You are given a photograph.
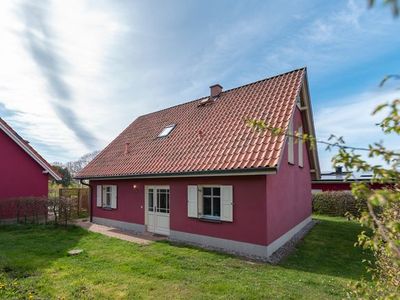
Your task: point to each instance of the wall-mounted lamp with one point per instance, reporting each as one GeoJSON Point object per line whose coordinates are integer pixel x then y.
{"type": "Point", "coordinates": [135, 187]}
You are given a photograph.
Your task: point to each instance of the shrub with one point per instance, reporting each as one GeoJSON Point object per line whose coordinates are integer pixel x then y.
{"type": "Point", "coordinates": [38, 209]}
{"type": "Point", "coordinates": [337, 203]}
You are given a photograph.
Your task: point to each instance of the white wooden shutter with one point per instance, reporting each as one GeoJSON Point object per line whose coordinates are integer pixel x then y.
{"type": "Point", "coordinates": [227, 203]}
{"type": "Point", "coordinates": [99, 194]}
{"type": "Point", "coordinates": [290, 144]}
{"type": "Point", "coordinates": [192, 201]}
{"type": "Point", "coordinates": [300, 134]}
{"type": "Point", "coordinates": [113, 196]}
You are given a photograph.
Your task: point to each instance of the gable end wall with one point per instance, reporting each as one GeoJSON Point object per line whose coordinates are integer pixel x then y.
{"type": "Point", "coordinates": [20, 175]}
{"type": "Point", "coordinates": [288, 191]}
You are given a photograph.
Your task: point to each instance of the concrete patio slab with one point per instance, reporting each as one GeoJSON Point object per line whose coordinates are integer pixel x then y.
{"type": "Point", "coordinates": [141, 239]}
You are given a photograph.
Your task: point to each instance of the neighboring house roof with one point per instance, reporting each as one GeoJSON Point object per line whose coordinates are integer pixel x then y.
{"type": "Point", "coordinates": [343, 176]}
{"type": "Point", "coordinates": [209, 136]}
{"type": "Point", "coordinates": [28, 149]}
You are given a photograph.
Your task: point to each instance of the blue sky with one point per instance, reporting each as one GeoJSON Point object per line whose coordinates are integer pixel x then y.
{"type": "Point", "coordinates": [75, 73]}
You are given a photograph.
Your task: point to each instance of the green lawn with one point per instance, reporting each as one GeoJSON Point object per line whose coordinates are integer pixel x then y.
{"type": "Point", "coordinates": [34, 264]}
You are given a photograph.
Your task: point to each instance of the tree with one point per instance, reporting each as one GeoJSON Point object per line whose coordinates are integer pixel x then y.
{"type": "Point", "coordinates": [65, 174]}
{"type": "Point", "coordinates": [75, 166]}
{"type": "Point", "coordinates": [382, 216]}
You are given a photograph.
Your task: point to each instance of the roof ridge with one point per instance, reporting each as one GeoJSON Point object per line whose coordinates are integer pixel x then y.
{"type": "Point", "coordinates": [229, 90]}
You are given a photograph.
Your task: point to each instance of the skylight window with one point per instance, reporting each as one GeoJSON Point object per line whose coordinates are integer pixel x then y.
{"type": "Point", "coordinates": [167, 130]}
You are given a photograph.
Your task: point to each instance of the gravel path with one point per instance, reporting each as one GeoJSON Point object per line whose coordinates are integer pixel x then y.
{"type": "Point", "coordinates": [290, 245]}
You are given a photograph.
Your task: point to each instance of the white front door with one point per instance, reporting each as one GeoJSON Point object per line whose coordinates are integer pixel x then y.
{"type": "Point", "coordinates": [157, 209]}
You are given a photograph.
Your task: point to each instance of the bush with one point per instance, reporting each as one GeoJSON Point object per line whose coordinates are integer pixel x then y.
{"type": "Point", "coordinates": [337, 203]}
{"type": "Point", "coordinates": [38, 209]}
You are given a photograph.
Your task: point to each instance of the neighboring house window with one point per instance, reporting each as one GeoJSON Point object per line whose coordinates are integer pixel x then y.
{"type": "Point", "coordinates": [300, 145]}
{"type": "Point", "coordinates": [211, 202]}
{"type": "Point", "coordinates": [107, 196]}
{"type": "Point", "coordinates": [290, 144]}
{"type": "Point", "coordinates": [167, 130]}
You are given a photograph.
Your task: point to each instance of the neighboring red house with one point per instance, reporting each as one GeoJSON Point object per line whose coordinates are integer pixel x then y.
{"type": "Point", "coordinates": [197, 173]}
{"type": "Point", "coordinates": [340, 180]}
{"type": "Point", "coordinates": [23, 172]}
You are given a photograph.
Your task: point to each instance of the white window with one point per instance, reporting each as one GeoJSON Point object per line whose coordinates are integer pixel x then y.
{"type": "Point", "coordinates": [290, 144]}
{"type": "Point", "coordinates": [167, 130]}
{"type": "Point", "coordinates": [107, 196]}
{"type": "Point", "coordinates": [211, 202]}
{"type": "Point", "coordinates": [300, 145]}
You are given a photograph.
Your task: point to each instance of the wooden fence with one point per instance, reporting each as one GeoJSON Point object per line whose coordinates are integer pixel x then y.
{"type": "Point", "coordinates": [80, 194]}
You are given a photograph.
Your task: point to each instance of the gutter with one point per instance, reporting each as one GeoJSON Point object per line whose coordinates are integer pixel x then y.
{"type": "Point", "coordinates": [90, 197]}
{"type": "Point", "coordinates": [237, 172]}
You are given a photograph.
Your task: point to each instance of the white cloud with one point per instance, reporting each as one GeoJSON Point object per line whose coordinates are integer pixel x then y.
{"type": "Point", "coordinates": [124, 59]}
{"type": "Point", "coordinates": [82, 39]}
{"type": "Point", "coordinates": [351, 118]}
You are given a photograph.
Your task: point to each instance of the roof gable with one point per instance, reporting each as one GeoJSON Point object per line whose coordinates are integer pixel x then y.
{"type": "Point", "coordinates": [28, 149]}
{"type": "Point", "coordinates": [206, 138]}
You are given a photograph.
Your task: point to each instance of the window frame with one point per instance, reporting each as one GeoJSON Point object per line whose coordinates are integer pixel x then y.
{"type": "Point", "coordinates": [166, 131]}
{"type": "Point", "coordinates": [202, 215]}
{"type": "Point", "coordinates": [104, 195]}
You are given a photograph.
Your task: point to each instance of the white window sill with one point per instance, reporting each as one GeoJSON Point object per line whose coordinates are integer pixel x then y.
{"type": "Point", "coordinates": [210, 219]}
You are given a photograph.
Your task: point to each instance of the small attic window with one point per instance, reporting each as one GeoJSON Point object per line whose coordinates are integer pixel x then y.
{"type": "Point", "coordinates": [167, 130]}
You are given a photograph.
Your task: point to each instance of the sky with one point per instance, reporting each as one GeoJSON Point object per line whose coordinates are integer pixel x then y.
{"type": "Point", "coordinates": [74, 74]}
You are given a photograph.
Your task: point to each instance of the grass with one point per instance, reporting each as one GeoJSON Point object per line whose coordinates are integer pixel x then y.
{"type": "Point", "coordinates": [34, 264]}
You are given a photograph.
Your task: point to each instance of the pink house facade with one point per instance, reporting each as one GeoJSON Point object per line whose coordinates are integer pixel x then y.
{"type": "Point", "coordinates": [24, 173]}
{"type": "Point", "coordinates": [199, 175]}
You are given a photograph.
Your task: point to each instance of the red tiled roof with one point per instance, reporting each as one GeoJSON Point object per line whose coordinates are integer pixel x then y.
{"type": "Point", "coordinates": [29, 149]}
{"type": "Point", "coordinates": [213, 137]}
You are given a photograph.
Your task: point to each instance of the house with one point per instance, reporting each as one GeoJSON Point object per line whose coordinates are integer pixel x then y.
{"type": "Point", "coordinates": [24, 173]}
{"type": "Point", "coordinates": [340, 180]}
{"type": "Point", "coordinates": [198, 174]}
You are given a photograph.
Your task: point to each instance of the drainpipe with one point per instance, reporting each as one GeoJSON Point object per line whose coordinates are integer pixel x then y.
{"type": "Point", "coordinates": [90, 197]}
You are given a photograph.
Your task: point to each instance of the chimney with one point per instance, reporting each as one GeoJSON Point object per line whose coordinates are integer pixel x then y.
{"type": "Point", "coordinates": [215, 90]}
{"type": "Point", "coordinates": [339, 170]}
{"type": "Point", "coordinates": [126, 148]}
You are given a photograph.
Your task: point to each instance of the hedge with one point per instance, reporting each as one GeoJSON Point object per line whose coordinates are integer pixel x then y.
{"type": "Point", "coordinates": [337, 203]}
{"type": "Point", "coordinates": [38, 209]}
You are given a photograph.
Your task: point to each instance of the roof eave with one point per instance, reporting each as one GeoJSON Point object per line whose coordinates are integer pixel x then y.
{"type": "Point", "coordinates": [233, 172]}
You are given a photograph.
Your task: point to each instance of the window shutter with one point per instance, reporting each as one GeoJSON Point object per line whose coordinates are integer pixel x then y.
{"type": "Point", "coordinates": [99, 194]}
{"type": "Point", "coordinates": [290, 144]}
{"type": "Point", "coordinates": [227, 203]}
{"type": "Point", "coordinates": [192, 201]}
{"type": "Point", "coordinates": [300, 134]}
{"type": "Point", "coordinates": [113, 196]}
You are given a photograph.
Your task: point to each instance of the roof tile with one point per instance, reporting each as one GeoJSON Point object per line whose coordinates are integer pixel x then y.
{"type": "Point", "coordinates": [210, 137]}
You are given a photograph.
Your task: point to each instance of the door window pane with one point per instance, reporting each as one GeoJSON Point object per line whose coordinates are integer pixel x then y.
{"type": "Point", "coordinates": [151, 200]}
{"type": "Point", "coordinates": [163, 200]}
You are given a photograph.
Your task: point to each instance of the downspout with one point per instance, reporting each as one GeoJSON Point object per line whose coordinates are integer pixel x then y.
{"type": "Point", "coordinates": [90, 197]}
